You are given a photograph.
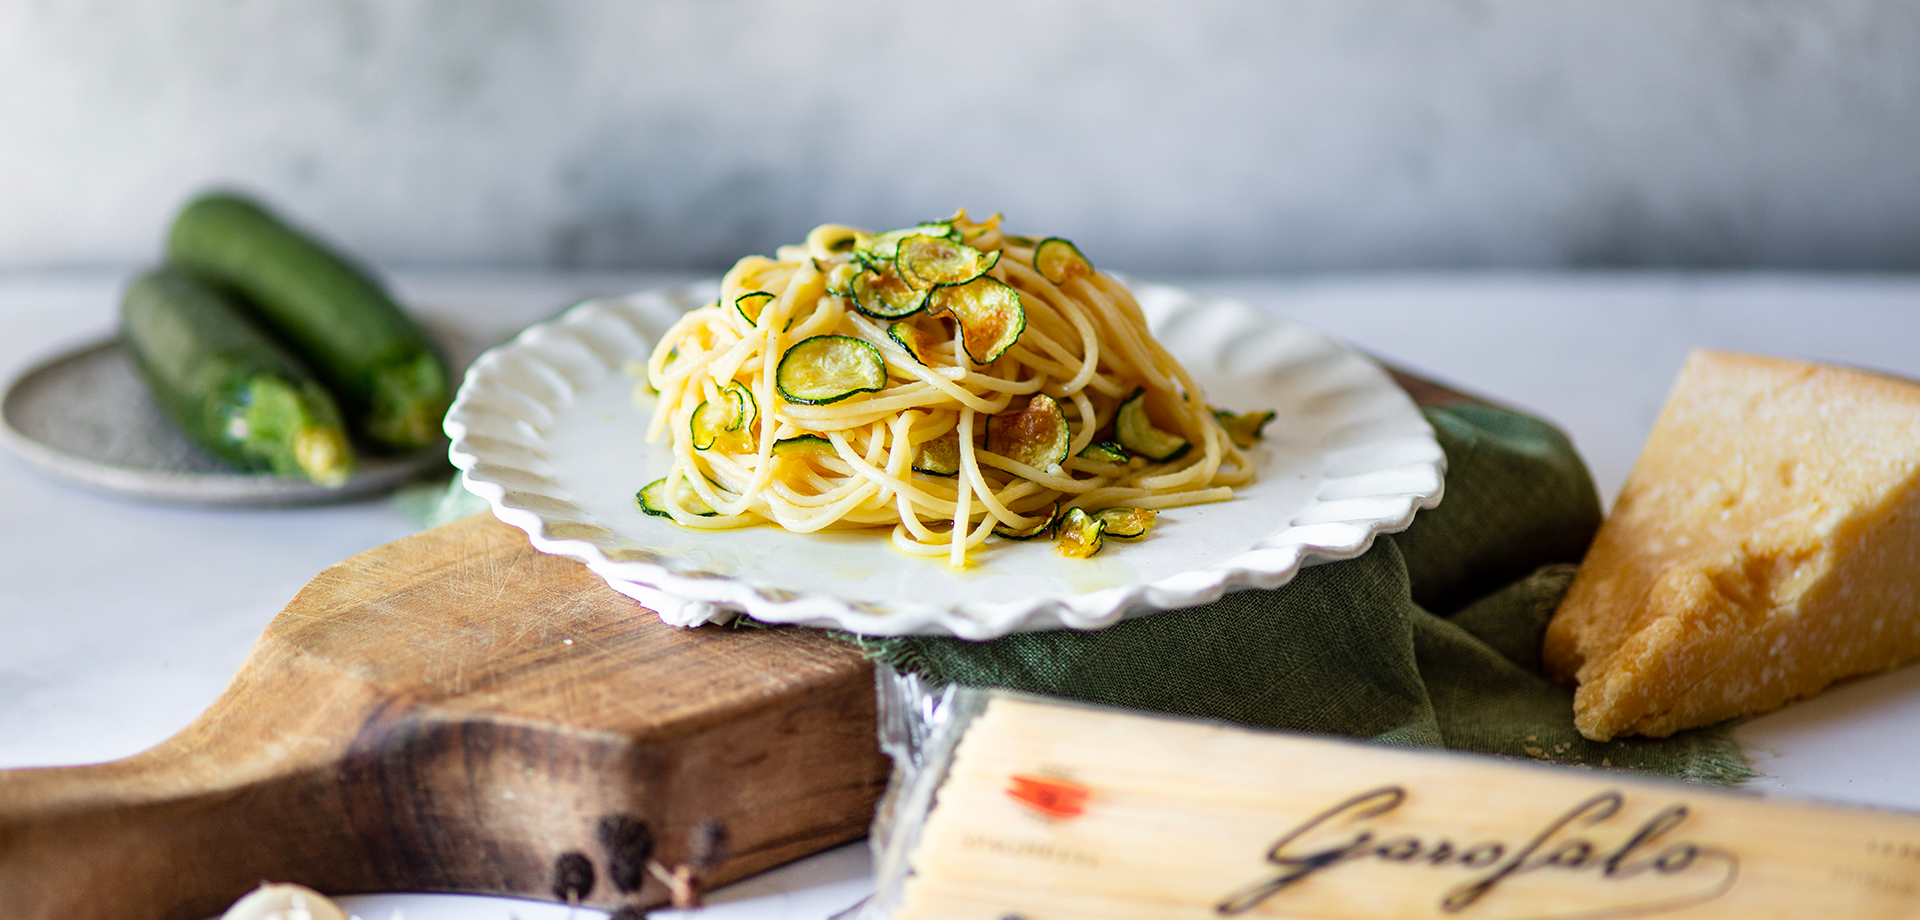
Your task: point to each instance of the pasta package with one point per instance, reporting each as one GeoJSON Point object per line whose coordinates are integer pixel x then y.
{"type": "Point", "coordinates": [1008, 806]}
{"type": "Point", "coordinates": [948, 381]}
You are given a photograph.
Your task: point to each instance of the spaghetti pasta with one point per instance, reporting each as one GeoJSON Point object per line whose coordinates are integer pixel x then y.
{"type": "Point", "coordinates": [949, 381]}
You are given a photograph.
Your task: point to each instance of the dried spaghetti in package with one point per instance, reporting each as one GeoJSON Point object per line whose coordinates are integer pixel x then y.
{"type": "Point", "coordinates": [1006, 806]}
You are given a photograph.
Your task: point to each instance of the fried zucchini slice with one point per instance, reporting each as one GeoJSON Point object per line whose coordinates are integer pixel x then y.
{"type": "Point", "coordinates": [1080, 534]}
{"type": "Point", "coordinates": [729, 422]}
{"type": "Point", "coordinates": [1243, 429]}
{"type": "Point", "coordinates": [750, 305]}
{"type": "Point", "coordinates": [989, 312]}
{"type": "Point", "coordinates": [939, 456]}
{"type": "Point", "coordinates": [653, 499]}
{"type": "Point", "coordinates": [879, 251]}
{"type": "Point", "coordinates": [927, 261]}
{"type": "Point", "coordinates": [1126, 523]}
{"type": "Point", "coordinates": [1041, 529]}
{"type": "Point", "coordinates": [1135, 431]}
{"type": "Point", "coordinates": [909, 337]}
{"type": "Point", "coordinates": [883, 295]}
{"type": "Point", "coordinates": [1104, 452]}
{"type": "Point", "coordinates": [1059, 261]}
{"type": "Point", "coordinates": [828, 368]}
{"type": "Point", "coordinates": [1036, 434]}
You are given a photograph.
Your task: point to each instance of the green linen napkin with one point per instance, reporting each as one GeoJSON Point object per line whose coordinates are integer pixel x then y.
{"type": "Point", "coordinates": [1432, 638]}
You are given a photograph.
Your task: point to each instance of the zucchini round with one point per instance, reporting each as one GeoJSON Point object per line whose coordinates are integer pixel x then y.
{"type": "Point", "coordinates": [1104, 452]}
{"type": "Point", "coordinates": [228, 385]}
{"type": "Point", "coordinates": [1036, 434]}
{"type": "Point", "coordinates": [750, 305]}
{"type": "Point", "coordinates": [1059, 261]}
{"type": "Point", "coordinates": [730, 421]}
{"type": "Point", "coordinates": [989, 313]}
{"type": "Point", "coordinates": [652, 499]}
{"type": "Point", "coordinates": [927, 261]}
{"type": "Point", "coordinates": [828, 368]}
{"type": "Point", "coordinates": [1080, 534]}
{"type": "Point", "coordinates": [807, 451]}
{"type": "Point", "coordinates": [879, 251]}
{"type": "Point", "coordinates": [1044, 527]}
{"type": "Point", "coordinates": [1243, 429]}
{"type": "Point", "coordinates": [1126, 523]}
{"type": "Point", "coordinates": [884, 296]}
{"type": "Point", "coordinates": [795, 446]}
{"type": "Point", "coordinates": [1135, 431]}
{"type": "Point", "coordinates": [707, 423]}
{"type": "Point", "coordinates": [376, 360]}
{"type": "Point", "coordinates": [905, 335]}
{"type": "Point", "coordinates": [939, 456]}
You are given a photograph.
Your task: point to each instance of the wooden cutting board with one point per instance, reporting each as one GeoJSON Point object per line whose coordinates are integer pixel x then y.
{"type": "Point", "coordinates": [456, 711]}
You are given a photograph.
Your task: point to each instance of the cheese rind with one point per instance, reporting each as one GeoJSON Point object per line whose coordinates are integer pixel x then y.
{"type": "Point", "coordinates": [1766, 545]}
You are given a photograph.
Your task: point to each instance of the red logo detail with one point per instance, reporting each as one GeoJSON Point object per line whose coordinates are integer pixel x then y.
{"type": "Point", "coordinates": [1055, 798]}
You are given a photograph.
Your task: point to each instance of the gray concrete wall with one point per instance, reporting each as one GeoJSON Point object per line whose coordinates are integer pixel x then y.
{"type": "Point", "coordinates": [1186, 137]}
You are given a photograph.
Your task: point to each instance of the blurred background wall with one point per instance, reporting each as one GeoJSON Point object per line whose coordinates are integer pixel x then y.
{"type": "Point", "coordinates": [1189, 137]}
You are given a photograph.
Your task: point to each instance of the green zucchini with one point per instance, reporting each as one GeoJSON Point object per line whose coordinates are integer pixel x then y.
{"type": "Point", "coordinates": [1104, 452]}
{"type": "Point", "coordinates": [390, 381]}
{"type": "Point", "coordinates": [1044, 527]}
{"type": "Point", "coordinates": [227, 384]}
{"type": "Point", "coordinates": [939, 456]}
{"type": "Point", "coordinates": [1080, 534]}
{"type": "Point", "coordinates": [989, 312]}
{"type": "Point", "coordinates": [1059, 261]}
{"type": "Point", "coordinates": [884, 295]}
{"type": "Point", "coordinates": [829, 368]}
{"type": "Point", "coordinates": [1126, 523]}
{"type": "Point", "coordinates": [878, 251]}
{"type": "Point", "coordinates": [1243, 429]}
{"type": "Point", "coordinates": [1036, 434]}
{"type": "Point", "coordinates": [912, 340]}
{"type": "Point", "coordinates": [750, 304]}
{"type": "Point", "coordinates": [1135, 431]}
{"type": "Point", "coordinates": [728, 423]}
{"type": "Point", "coordinates": [652, 499]}
{"type": "Point", "coordinates": [810, 451]}
{"type": "Point", "coordinates": [928, 261]}
{"type": "Point", "coordinates": [804, 445]}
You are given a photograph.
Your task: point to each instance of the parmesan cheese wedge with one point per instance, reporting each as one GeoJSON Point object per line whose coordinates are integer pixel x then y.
{"type": "Point", "coordinates": [1766, 545]}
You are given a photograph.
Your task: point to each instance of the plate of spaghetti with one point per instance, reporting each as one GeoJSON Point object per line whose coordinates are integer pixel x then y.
{"type": "Point", "coordinates": [941, 429]}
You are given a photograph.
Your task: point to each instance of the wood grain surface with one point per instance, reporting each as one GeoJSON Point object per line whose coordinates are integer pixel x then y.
{"type": "Point", "coordinates": [454, 712]}
{"type": "Point", "coordinates": [458, 712]}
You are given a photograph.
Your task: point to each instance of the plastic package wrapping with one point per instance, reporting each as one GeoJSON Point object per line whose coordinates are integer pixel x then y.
{"type": "Point", "coordinates": [1004, 805]}
{"type": "Point", "coordinates": [919, 728]}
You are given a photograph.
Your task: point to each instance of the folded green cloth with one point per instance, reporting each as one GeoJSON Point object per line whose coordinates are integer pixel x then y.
{"type": "Point", "coordinates": [1432, 638]}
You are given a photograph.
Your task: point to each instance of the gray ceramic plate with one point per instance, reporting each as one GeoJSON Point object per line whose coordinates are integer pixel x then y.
{"type": "Point", "coordinates": [86, 417]}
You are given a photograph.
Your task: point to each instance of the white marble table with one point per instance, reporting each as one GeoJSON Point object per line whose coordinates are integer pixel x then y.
{"type": "Point", "coordinates": [119, 622]}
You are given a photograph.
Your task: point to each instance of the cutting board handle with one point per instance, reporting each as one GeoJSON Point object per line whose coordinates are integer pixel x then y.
{"type": "Point", "coordinates": [227, 803]}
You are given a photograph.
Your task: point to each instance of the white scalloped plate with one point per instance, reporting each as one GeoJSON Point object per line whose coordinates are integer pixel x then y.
{"type": "Point", "coordinates": [546, 430]}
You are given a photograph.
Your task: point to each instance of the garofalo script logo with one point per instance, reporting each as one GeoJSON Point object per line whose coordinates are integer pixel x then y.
{"type": "Point", "coordinates": [1635, 869]}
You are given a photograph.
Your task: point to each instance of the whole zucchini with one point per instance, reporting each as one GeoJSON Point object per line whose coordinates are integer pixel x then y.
{"type": "Point", "coordinates": [227, 384]}
{"type": "Point", "coordinates": [389, 379]}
